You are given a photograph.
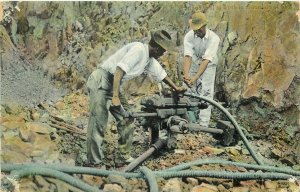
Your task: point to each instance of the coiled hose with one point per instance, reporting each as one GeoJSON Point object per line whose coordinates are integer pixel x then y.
{"type": "Point", "coordinates": [101, 172]}
{"type": "Point", "coordinates": [27, 171]}
{"type": "Point", "coordinates": [17, 171]}
{"type": "Point", "coordinates": [223, 175]}
{"type": "Point", "coordinates": [183, 166]}
{"type": "Point", "coordinates": [150, 178]}
{"type": "Point", "coordinates": [69, 169]}
{"type": "Point", "coordinates": [232, 120]}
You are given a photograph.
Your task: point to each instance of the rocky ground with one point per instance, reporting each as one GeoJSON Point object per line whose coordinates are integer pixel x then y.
{"type": "Point", "coordinates": [54, 132]}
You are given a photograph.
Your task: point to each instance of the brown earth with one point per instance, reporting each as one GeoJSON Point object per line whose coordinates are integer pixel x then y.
{"type": "Point", "coordinates": [33, 135]}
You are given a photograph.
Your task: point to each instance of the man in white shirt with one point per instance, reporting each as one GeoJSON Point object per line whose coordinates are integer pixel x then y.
{"type": "Point", "coordinates": [104, 85]}
{"type": "Point", "coordinates": [200, 61]}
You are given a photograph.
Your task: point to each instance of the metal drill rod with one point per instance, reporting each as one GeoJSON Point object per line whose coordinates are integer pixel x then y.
{"type": "Point", "coordinates": [197, 127]}
{"type": "Point", "coordinates": [142, 114]}
{"type": "Point", "coordinates": [179, 105]}
{"type": "Point", "coordinates": [155, 147]}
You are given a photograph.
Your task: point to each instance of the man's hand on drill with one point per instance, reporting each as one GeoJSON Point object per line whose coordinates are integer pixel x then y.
{"type": "Point", "coordinates": [190, 81]}
{"type": "Point", "coordinates": [187, 81]}
{"type": "Point", "coordinates": [180, 89]}
{"type": "Point", "coordinates": [115, 101]}
{"type": "Point", "coordinates": [186, 78]}
{"type": "Point", "coordinates": [117, 110]}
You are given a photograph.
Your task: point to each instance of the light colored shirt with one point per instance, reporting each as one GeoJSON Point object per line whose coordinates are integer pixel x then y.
{"type": "Point", "coordinates": [134, 59]}
{"type": "Point", "coordinates": [205, 48]}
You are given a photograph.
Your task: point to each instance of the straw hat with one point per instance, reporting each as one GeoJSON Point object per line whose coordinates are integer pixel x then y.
{"type": "Point", "coordinates": [197, 20]}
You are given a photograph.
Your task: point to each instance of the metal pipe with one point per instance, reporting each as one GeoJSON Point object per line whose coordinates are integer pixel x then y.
{"type": "Point", "coordinates": [180, 105]}
{"type": "Point", "coordinates": [144, 115]}
{"type": "Point", "coordinates": [197, 127]}
{"type": "Point", "coordinates": [156, 146]}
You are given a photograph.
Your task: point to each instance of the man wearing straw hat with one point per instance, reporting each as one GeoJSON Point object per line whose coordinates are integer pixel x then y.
{"type": "Point", "coordinates": [200, 61]}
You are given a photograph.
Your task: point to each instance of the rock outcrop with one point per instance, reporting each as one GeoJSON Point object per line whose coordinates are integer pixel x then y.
{"type": "Point", "coordinates": [258, 74]}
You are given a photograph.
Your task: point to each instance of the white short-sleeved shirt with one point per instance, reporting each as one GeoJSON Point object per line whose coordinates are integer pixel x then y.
{"type": "Point", "coordinates": [134, 59]}
{"type": "Point", "coordinates": [205, 48]}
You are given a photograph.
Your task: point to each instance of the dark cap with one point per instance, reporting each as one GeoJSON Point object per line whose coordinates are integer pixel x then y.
{"type": "Point", "coordinates": [163, 38]}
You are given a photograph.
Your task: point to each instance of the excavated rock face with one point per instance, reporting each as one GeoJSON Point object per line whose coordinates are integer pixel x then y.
{"type": "Point", "coordinates": [259, 69]}
{"type": "Point", "coordinates": [261, 46]}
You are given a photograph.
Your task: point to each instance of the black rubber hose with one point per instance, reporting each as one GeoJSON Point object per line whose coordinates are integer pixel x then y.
{"type": "Point", "coordinates": [183, 166]}
{"type": "Point", "coordinates": [27, 171]}
{"type": "Point", "coordinates": [232, 120]}
{"type": "Point", "coordinates": [150, 178]}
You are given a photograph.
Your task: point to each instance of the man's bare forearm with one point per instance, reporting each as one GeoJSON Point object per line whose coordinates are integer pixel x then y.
{"type": "Point", "coordinates": [169, 82]}
{"type": "Point", "coordinates": [186, 65]}
{"type": "Point", "coordinates": [119, 73]}
{"type": "Point", "coordinates": [201, 70]}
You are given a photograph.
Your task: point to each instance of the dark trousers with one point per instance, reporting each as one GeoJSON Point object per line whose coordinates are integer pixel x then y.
{"type": "Point", "coordinates": [100, 85]}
